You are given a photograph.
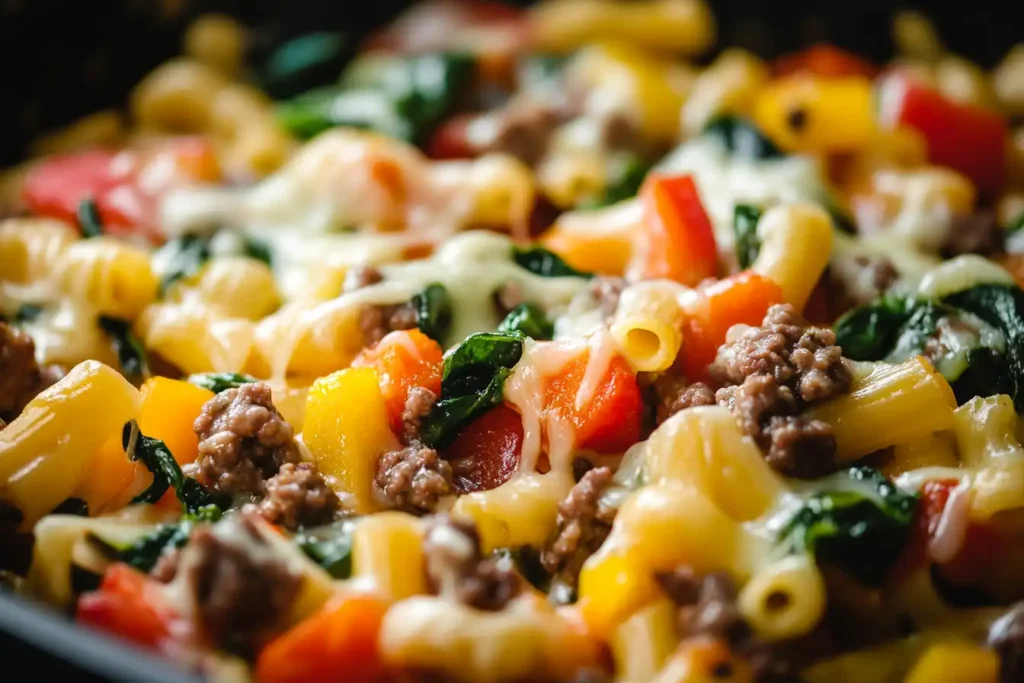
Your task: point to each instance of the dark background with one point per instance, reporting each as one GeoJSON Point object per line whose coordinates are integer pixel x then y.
{"type": "Point", "coordinates": [65, 58]}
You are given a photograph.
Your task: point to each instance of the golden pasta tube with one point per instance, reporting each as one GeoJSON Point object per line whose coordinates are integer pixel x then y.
{"type": "Point", "coordinates": [648, 326]}
{"type": "Point", "coordinates": [893, 404]}
{"type": "Point", "coordinates": [387, 549]}
{"type": "Point", "coordinates": [931, 450]}
{"type": "Point", "coordinates": [785, 599]}
{"type": "Point", "coordinates": [29, 247]}
{"type": "Point", "coordinates": [796, 245]}
{"type": "Point", "coordinates": [642, 643]}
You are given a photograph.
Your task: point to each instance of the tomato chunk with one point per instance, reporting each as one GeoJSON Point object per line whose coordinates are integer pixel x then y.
{"type": "Point", "coordinates": [486, 452]}
{"type": "Point", "coordinates": [130, 605]}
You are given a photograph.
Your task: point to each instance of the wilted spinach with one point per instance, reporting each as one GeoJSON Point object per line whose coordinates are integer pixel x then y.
{"type": "Point", "coordinates": [131, 354]}
{"type": "Point", "coordinates": [624, 183]}
{"type": "Point", "coordinates": [472, 382]}
{"type": "Point", "coordinates": [744, 225]}
{"type": "Point", "coordinates": [860, 524]}
{"type": "Point", "coordinates": [185, 256]}
{"type": "Point", "coordinates": [741, 138]}
{"type": "Point", "coordinates": [528, 320]}
{"type": "Point", "coordinates": [544, 262]}
{"type": "Point", "coordinates": [144, 552]}
{"type": "Point", "coordinates": [304, 62]}
{"type": "Point", "coordinates": [220, 381]}
{"type": "Point", "coordinates": [89, 220]}
{"type": "Point", "coordinates": [434, 312]}
{"type": "Point", "coordinates": [157, 458]}
{"type": "Point", "coordinates": [330, 547]}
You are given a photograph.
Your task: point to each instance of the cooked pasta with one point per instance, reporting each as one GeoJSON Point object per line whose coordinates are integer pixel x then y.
{"type": "Point", "coordinates": [526, 345]}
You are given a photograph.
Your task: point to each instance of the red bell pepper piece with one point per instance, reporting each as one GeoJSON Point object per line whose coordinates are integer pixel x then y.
{"type": "Point", "coordinates": [610, 421]}
{"type": "Point", "coordinates": [450, 141]}
{"type": "Point", "coordinates": [964, 137]}
{"type": "Point", "coordinates": [132, 606]}
{"type": "Point", "coordinates": [743, 298]}
{"type": "Point", "coordinates": [486, 452]}
{"type": "Point", "coordinates": [823, 60]}
{"type": "Point", "coordinates": [680, 241]}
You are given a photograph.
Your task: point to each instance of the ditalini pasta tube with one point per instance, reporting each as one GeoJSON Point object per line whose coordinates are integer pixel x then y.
{"type": "Point", "coordinates": [785, 599]}
{"type": "Point", "coordinates": [893, 404]}
{"type": "Point", "coordinates": [647, 326]}
{"type": "Point", "coordinates": [796, 244]}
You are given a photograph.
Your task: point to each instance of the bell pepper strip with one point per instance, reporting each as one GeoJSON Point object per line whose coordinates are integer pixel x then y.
{"type": "Point", "coordinates": [338, 643]}
{"type": "Point", "coordinates": [743, 298]}
{"type": "Point", "coordinates": [125, 195]}
{"type": "Point", "coordinates": [825, 60]}
{"type": "Point", "coordinates": [817, 114]}
{"type": "Point", "coordinates": [130, 605]}
{"type": "Point", "coordinates": [487, 451]}
{"type": "Point", "coordinates": [964, 137]}
{"type": "Point", "coordinates": [403, 360]}
{"type": "Point", "coordinates": [610, 421]}
{"type": "Point", "coordinates": [678, 241]}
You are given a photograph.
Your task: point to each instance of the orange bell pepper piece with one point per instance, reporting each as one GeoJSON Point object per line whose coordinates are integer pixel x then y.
{"type": "Point", "coordinates": [338, 643]}
{"type": "Point", "coordinates": [742, 298]}
{"type": "Point", "coordinates": [403, 360]}
{"type": "Point", "coordinates": [680, 241]}
{"type": "Point", "coordinates": [132, 606]}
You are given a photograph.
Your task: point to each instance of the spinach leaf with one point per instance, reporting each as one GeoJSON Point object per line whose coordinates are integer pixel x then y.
{"type": "Point", "coordinates": [403, 97]}
{"type": "Point", "coordinates": [72, 506]}
{"type": "Point", "coordinates": [1002, 307]}
{"type": "Point", "coordinates": [528, 320]}
{"type": "Point", "coordinates": [184, 257]}
{"type": "Point", "coordinates": [434, 312]}
{"type": "Point", "coordinates": [472, 381]}
{"type": "Point", "coordinates": [89, 220]}
{"type": "Point", "coordinates": [144, 552]}
{"type": "Point", "coordinates": [546, 263]}
{"type": "Point", "coordinates": [304, 62]}
{"type": "Point", "coordinates": [259, 250]}
{"type": "Point", "coordinates": [27, 313]}
{"type": "Point", "coordinates": [131, 355]}
{"type": "Point", "coordinates": [741, 138]}
{"type": "Point", "coordinates": [744, 225]}
{"type": "Point", "coordinates": [154, 454]}
{"type": "Point", "coordinates": [860, 526]}
{"type": "Point", "coordinates": [220, 381]}
{"type": "Point", "coordinates": [330, 547]}
{"type": "Point", "coordinates": [624, 183]}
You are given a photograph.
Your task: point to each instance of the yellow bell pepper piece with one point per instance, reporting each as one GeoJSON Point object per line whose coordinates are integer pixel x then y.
{"type": "Point", "coordinates": [644, 83]}
{"type": "Point", "coordinates": [598, 241]}
{"type": "Point", "coordinates": [955, 663]}
{"type": "Point", "coordinates": [347, 430]}
{"type": "Point", "coordinates": [817, 114]}
{"type": "Point", "coordinates": [387, 549]}
{"type": "Point", "coordinates": [45, 450]}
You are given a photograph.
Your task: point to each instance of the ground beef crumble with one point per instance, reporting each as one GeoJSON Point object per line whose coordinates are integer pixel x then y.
{"type": "Point", "coordinates": [769, 375]}
{"type": "Point", "coordinates": [243, 440]}
{"type": "Point", "coordinates": [707, 608]}
{"type": "Point", "coordinates": [297, 496]}
{"type": "Point", "coordinates": [376, 321]}
{"type": "Point", "coordinates": [241, 589]}
{"type": "Point", "coordinates": [1006, 637]}
{"type": "Point", "coordinates": [456, 570]}
{"type": "Point", "coordinates": [21, 377]}
{"type": "Point", "coordinates": [412, 479]}
{"type": "Point", "coordinates": [359, 277]}
{"type": "Point", "coordinates": [672, 393]}
{"type": "Point", "coordinates": [418, 404]}
{"type": "Point", "coordinates": [583, 524]}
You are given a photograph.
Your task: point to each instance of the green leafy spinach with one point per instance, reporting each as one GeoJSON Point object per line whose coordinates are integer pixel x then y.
{"type": "Point", "coordinates": [624, 183]}
{"type": "Point", "coordinates": [89, 220]}
{"type": "Point", "coordinates": [157, 458]}
{"type": "Point", "coordinates": [304, 62]}
{"type": "Point", "coordinates": [744, 225]}
{"type": "Point", "coordinates": [859, 525]}
{"type": "Point", "coordinates": [131, 354]}
{"type": "Point", "coordinates": [330, 547]}
{"type": "Point", "coordinates": [185, 256]}
{"type": "Point", "coordinates": [544, 262]}
{"type": "Point", "coordinates": [528, 320]}
{"type": "Point", "coordinates": [472, 381]}
{"type": "Point", "coordinates": [741, 138]}
{"type": "Point", "coordinates": [434, 312]}
{"type": "Point", "coordinates": [143, 553]}
{"type": "Point", "coordinates": [220, 381]}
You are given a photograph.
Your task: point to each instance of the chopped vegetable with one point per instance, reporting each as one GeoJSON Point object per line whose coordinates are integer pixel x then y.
{"type": "Point", "coordinates": [304, 62]}
{"type": "Point", "coordinates": [528, 320]}
{"type": "Point", "coordinates": [744, 223]}
{"type": "Point", "coordinates": [968, 138]}
{"type": "Point", "coordinates": [472, 382]}
{"type": "Point", "coordinates": [544, 262]}
{"type": "Point", "coordinates": [860, 525]}
{"type": "Point", "coordinates": [89, 220]}
{"type": "Point", "coordinates": [486, 452]}
{"type": "Point", "coordinates": [741, 138]}
{"type": "Point", "coordinates": [143, 553]}
{"type": "Point", "coordinates": [131, 354]}
{"type": "Point", "coordinates": [220, 381]}
{"type": "Point", "coordinates": [132, 606]}
{"type": "Point", "coordinates": [680, 241]}
{"type": "Point", "coordinates": [153, 453]}
{"type": "Point", "coordinates": [434, 312]}
{"type": "Point", "coordinates": [330, 547]}
{"type": "Point", "coordinates": [184, 257]}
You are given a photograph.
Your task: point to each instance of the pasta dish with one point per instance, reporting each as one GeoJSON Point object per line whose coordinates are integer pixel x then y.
{"type": "Point", "coordinates": [527, 346]}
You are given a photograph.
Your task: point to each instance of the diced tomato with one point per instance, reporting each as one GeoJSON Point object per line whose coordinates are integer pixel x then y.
{"type": "Point", "coordinates": [450, 141]}
{"type": "Point", "coordinates": [403, 359]}
{"type": "Point", "coordinates": [679, 240]}
{"type": "Point", "coordinates": [965, 137]}
{"type": "Point", "coordinates": [824, 60]}
{"type": "Point", "coordinates": [132, 606]}
{"type": "Point", "coordinates": [127, 206]}
{"type": "Point", "coordinates": [338, 643]}
{"type": "Point", "coordinates": [486, 452]}
{"type": "Point", "coordinates": [610, 421]}
{"type": "Point", "coordinates": [743, 298]}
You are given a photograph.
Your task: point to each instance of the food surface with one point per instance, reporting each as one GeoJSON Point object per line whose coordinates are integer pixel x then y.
{"type": "Point", "coordinates": [521, 348]}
